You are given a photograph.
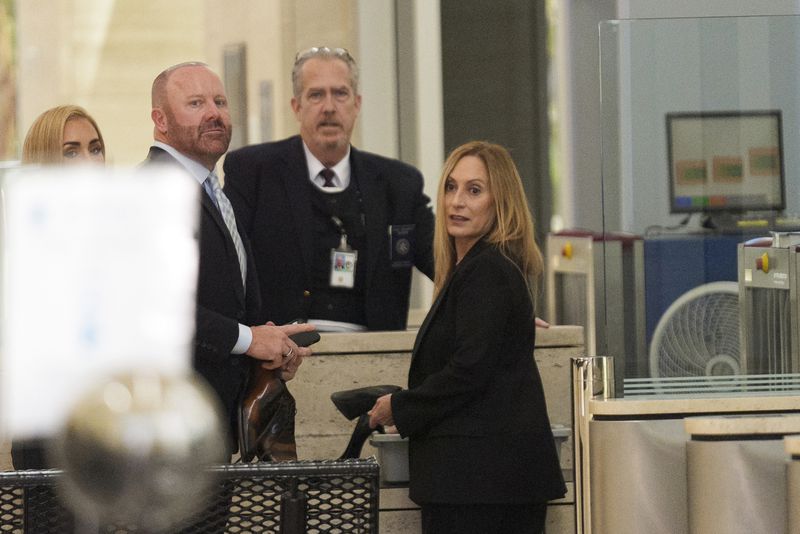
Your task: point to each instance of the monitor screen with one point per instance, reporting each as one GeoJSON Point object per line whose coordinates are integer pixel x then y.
{"type": "Point", "coordinates": [725, 161]}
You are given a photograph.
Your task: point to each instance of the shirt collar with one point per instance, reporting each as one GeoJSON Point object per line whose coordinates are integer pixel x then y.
{"type": "Point", "coordinates": [342, 170]}
{"type": "Point", "coordinates": [196, 169]}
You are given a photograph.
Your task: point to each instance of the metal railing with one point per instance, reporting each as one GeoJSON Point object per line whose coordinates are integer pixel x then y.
{"type": "Point", "coordinates": [713, 386]}
{"type": "Point", "coordinates": [311, 497]}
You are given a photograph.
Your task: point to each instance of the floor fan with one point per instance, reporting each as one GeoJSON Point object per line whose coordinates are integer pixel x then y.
{"type": "Point", "coordinates": [698, 335]}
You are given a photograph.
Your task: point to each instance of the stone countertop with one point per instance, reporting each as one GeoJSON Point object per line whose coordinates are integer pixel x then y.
{"type": "Point", "coordinates": [792, 445]}
{"type": "Point", "coordinates": [403, 340]}
{"type": "Point", "coordinates": [699, 405]}
{"type": "Point", "coordinates": [747, 425]}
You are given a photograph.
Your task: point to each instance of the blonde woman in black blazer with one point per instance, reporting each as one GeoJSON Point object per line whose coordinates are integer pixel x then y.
{"type": "Point", "coordinates": [482, 457]}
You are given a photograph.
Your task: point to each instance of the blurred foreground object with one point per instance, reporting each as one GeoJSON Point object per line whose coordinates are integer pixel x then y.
{"type": "Point", "coordinates": [99, 274]}
{"type": "Point", "coordinates": [137, 450]}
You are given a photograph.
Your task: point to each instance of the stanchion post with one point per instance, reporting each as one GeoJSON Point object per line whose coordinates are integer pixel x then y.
{"type": "Point", "coordinates": [592, 379]}
{"type": "Point", "coordinates": [293, 510]}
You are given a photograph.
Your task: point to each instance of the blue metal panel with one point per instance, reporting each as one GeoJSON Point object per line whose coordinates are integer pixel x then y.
{"type": "Point", "coordinates": [676, 264]}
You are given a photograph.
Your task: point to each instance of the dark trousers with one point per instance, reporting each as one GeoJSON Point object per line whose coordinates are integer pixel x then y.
{"type": "Point", "coordinates": [483, 518]}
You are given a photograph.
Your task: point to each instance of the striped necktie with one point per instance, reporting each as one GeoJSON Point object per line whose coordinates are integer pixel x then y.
{"type": "Point", "coordinates": [226, 210]}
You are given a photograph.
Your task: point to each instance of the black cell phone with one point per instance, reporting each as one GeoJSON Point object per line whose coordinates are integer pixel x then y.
{"type": "Point", "coordinates": [305, 339]}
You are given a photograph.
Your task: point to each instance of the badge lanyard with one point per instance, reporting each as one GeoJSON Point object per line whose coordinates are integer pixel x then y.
{"type": "Point", "coordinates": [343, 259]}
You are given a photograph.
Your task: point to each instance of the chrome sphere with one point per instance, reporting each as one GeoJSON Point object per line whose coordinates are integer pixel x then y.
{"type": "Point", "coordinates": [136, 450]}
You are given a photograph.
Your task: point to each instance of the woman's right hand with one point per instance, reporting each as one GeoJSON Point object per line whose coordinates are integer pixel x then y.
{"type": "Point", "coordinates": [381, 413]}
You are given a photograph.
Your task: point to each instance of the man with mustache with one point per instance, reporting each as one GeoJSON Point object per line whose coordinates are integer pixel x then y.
{"type": "Point", "coordinates": [335, 230]}
{"type": "Point", "coordinates": [192, 130]}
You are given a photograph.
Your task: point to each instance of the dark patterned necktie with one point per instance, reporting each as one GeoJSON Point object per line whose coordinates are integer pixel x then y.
{"type": "Point", "coordinates": [327, 175]}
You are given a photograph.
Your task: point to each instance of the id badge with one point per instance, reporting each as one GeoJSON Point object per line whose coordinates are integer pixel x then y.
{"type": "Point", "coordinates": [343, 268]}
{"type": "Point", "coordinates": [401, 245]}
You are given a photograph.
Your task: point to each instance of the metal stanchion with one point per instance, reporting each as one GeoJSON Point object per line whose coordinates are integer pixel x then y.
{"type": "Point", "coordinates": [592, 379]}
{"type": "Point", "coordinates": [293, 510]}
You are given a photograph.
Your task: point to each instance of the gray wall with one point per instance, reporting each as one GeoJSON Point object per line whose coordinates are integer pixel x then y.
{"type": "Point", "coordinates": [494, 77]}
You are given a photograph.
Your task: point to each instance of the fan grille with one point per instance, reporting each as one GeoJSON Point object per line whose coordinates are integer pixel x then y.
{"type": "Point", "coordinates": [698, 335]}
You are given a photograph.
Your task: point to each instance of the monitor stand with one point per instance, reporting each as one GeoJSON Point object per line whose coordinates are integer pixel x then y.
{"type": "Point", "coordinates": [749, 222]}
{"type": "Point", "coordinates": [721, 221]}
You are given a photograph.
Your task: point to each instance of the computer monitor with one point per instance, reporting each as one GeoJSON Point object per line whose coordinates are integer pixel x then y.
{"type": "Point", "coordinates": [725, 161]}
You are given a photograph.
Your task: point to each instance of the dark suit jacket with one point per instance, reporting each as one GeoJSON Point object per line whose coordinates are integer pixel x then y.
{"type": "Point", "coordinates": [222, 302]}
{"type": "Point", "coordinates": [269, 188]}
{"type": "Point", "coordinates": [475, 410]}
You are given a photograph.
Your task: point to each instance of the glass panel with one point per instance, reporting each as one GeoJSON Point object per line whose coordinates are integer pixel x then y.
{"type": "Point", "coordinates": [700, 124]}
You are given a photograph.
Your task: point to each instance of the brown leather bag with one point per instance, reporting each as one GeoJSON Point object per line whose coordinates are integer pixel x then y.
{"type": "Point", "coordinates": [266, 418]}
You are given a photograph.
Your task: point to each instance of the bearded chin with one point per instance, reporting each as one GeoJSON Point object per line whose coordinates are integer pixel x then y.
{"type": "Point", "coordinates": [220, 142]}
{"type": "Point", "coordinates": [215, 145]}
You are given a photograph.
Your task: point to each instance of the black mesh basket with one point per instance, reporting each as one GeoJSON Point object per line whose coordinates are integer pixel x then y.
{"type": "Point", "coordinates": [311, 497]}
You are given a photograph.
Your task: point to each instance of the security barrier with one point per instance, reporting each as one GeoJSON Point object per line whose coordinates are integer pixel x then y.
{"type": "Point", "coordinates": [286, 497]}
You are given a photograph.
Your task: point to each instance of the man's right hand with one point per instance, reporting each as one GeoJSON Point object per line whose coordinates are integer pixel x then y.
{"type": "Point", "coordinates": [271, 344]}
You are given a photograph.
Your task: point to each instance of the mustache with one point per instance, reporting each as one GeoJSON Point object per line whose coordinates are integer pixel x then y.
{"type": "Point", "coordinates": [328, 119]}
{"type": "Point", "coordinates": [212, 125]}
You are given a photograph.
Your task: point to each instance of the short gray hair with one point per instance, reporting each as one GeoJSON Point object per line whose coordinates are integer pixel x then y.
{"type": "Point", "coordinates": [323, 52]}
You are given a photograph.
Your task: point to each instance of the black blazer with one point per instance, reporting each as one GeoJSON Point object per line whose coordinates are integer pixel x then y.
{"type": "Point", "coordinates": [475, 411]}
{"type": "Point", "coordinates": [269, 188]}
{"type": "Point", "coordinates": [222, 302]}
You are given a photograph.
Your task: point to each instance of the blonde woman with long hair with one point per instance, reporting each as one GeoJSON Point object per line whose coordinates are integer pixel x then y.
{"type": "Point", "coordinates": [61, 135]}
{"type": "Point", "coordinates": [482, 458]}
{"type": "Point", "coordinates": [64, 135]}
